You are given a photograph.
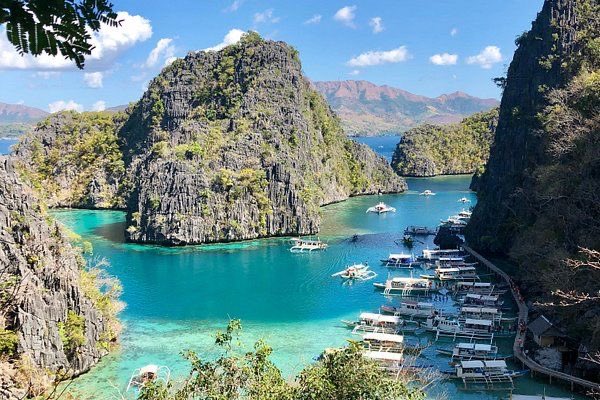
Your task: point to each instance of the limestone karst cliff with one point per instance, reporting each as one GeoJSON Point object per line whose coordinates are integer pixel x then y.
{"type": "Point", "coordinates": [223, 146]}
{"type": "Point", "coordinates": [538, 197]}
{"type": "Point", "coordinates": [461, 148]}
{"type": "Point", "coordinates": [54, 320]}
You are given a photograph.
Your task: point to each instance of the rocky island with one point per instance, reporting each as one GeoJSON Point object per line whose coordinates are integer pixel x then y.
{"type": "Point", "coordinates": [461, 148]}
{"type": "Point", "coordinates": [223, 146]}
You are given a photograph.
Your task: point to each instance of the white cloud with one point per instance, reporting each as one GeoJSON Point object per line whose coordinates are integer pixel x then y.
{"type": "Point", "coordinates": [164, 49]}
{"type": "Point", "coordinates": [232, 37]}
{"type": "Point", "coordinates": [354, 72]}
{"type": "Point", "coordinates": [93, 79]}
{"type": "Point", "coordinates": [454, 32]}
{"type": "Point", "coordinates": [315, 19]}
{"type": "Point", "coordinates": [346, 15]}
{"type": "Point", "coordinates": [266, 16]}
{"type": "Point", "coordinates": [61, 105]}
{"type": "Point", "coordinates": [444, 59]}
{"type": "Point", "coordinates": [100, 105]}
{"type": "Point", "coordinates": [108, 44]}
{"type": "Point", "coordinates": [377, 24]}
{"type": "Point", "coordinates": [371, 58]}
{"type": "Point", "coordinates": [487, 57]}
{"type": "Point", "coordinates": [234, 6]}
{"type": "Point", "coordinates": [169, 61]}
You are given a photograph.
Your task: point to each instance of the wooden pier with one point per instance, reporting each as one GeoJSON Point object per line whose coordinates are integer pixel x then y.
{"type": "Point", "coordinates": [534, 366]}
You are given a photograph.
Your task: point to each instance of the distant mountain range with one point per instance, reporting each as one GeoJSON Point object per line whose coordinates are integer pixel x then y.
{"type": "Point", "coordinates": [16, 119]}
{"type": "Point", "coordinates": [369, 109]}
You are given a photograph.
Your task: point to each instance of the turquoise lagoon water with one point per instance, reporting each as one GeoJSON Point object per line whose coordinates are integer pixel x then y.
{"type": "Point", "coordinates": [178, 297]}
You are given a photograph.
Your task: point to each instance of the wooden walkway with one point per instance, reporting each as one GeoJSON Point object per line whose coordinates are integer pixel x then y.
{"type": "Point", "coordinates": [520, 337]}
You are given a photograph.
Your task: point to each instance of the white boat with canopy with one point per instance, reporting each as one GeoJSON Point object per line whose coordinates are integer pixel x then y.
{"type": "Point", "coordinates": [477, 312]}
{"type": "Point", "coordinates": [360, 272]}
{"type": "Point", "coordinates": [427, 192]}
{"type": "Point", "coordinates": [381, 208]}
{"type": "Point", "coordinates": [147, 374]}
{"type": "Point", "coordinates": [390, 343]}
{"type": "Point", "coordinates": [457, 273]}
{"type": "Point", "coordinates": [306, 245]}
{"type": "Point", "coordinates": [373, 322]}
{"type": "Point", "coordinates": [414, 309]}
{"type": "Point", "coordinates": [483, 371]}
{"type": "Point", "coordinates": [436, 254]}
{"type": "Point", "coordinates": [472, 287]}
{"type": "Point", "coordinates": [472, 351]}
{"type": "Point", "coordinates": [484, 300]}
{"type": "Point", "coordinates": [406, 285]}
{"type": "Point", "coordinates": [464, 200]}
{"type": "Point", "coordinates": [399, 260]}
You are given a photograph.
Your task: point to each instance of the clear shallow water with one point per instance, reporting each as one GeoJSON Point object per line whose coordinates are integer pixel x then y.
{"type": "Point", "coordinates": [177, 298]}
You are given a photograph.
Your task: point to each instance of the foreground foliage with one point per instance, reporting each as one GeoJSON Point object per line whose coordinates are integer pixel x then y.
{"type": "Point", "coordinates": [342, 374]}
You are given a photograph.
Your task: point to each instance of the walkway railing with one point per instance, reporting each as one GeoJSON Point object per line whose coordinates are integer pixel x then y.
{"type": "Point", "coordinates": [520, 338]}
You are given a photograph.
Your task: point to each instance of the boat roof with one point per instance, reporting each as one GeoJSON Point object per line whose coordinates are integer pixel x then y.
{"type": "Point", "coordinates": [475, 346]}
{"type": "Point", "coordinates": [407, 279]}
{"type": "Point", "coordinates": [452, 259]}
{"type": "Point", "coordinates": [471, 321]}
{"type": "Point", "coordinates": [471, 364]}
{"type": "Point", "coordinates": [384, 337]}
{"type": "Point", "coordinates": [488, 310]}
{"type": "Point", "coordinates": [537, 397]}
{"type": "Point", "coordinates": [474, 284]}
{"type": "Point", "coordinates": [482, 296]}
{"type": "Point", "coordinates": [383, 355]}
{"type": "Point", "coordinates": [149, 369]}
{"type": "Point", "coordinates": [495, 363]}
{"type": "Point", "coordinates": [399, 255]}
{"type": "Point", "coordinates": [380, 317]}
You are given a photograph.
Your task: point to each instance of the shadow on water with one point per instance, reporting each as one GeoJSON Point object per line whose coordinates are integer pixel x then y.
{"type": "Point", "coordinates": [114, 232]}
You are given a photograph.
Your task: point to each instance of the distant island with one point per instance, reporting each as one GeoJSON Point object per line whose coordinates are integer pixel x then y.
{"type": "Point", "coordinates": [16, 119]}
{"type": "Point", "coordinates": [368, 109]}
{"type": "Point", "coordinates": [460, 148]}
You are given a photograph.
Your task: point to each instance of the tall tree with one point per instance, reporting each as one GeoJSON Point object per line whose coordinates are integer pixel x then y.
{"type": "Point", "coordinates": [55, 26]}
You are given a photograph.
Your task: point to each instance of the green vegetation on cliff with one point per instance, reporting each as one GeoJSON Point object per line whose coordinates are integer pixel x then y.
{"type": "Point", "coordinates": [461, 148]}
{"type": "Point", "coordinates": [538, 198]}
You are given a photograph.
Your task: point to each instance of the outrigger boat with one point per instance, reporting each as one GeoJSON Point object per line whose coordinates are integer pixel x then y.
{"type": "Point", "coordinates": [388, 361]}
{"type": "Point", "coordinates": [427, 193]}
{"type": "Point", "coordinates": [400, 261]}
{"type": "Point", "coordinates": [473, 351]}
{"type": "Point", "coordinates": [372, 322]}
{"type": "Point", "coordinates": [359, 272]}
{"type": "Point", "coordinates": [483, 372]}
{"type": "Point", "coordinates": [489, 313]}
{"type": "Point", "coordinates": [476, 288]}
{"type": "Point", "coordinates": [406, 285]}
{"type": "Point", "coordinates": [483, 300]}
{"type": "Point", "coordinates": [390, 343]}
{"type": "Point", "coordinates": [381, 208]}
{"type": "Point", "coordinates": [147, 374]}
{"type": "Point", "coordinates": [436, 254]}
{"type": "Point", "coordinates": [469, 328]}
{"type": "Point", "coordinates": [412, 309]}
{"type": "Point", "coordinates": [457, 273]}
{"type": "Point", "coordinates": [419, 231]}
{"type": "Point", "coordinates": [464, 200]}
{"type": "Point", "coordinates": [305, 245]}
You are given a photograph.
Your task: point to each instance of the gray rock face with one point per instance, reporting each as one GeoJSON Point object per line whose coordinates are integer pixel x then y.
{"type": "Point", "coordinates": [236, 145]}
{"type": "Point", "coordinates": [42, 267]}
{"type": "Point", "coordinates": [518, 147]}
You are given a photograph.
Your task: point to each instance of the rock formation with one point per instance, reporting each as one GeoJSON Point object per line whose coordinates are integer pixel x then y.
{"type": "Point", "coordinates": [50, 319]}
{"type": "Point", "coordinates": [461, 148]}
{"type": "Point", "coordinates": [223, 146]}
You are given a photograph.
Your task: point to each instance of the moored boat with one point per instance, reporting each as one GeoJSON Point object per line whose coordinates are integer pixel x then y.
{"type": "Point", "coordinates": [359, 272]}
{"type": "Point", "coordinates": [427, 192]}
{"type": "Point", "coordinates": [457, 273]}
{"type": "Point", "coordinates": [390, 343]}
{"type": "Point", "coordinates": [406, 285]}
{"type": "Point", "coordinates": [414, 309]}
{"type": "Point", "coordinates": [381, 208]}
{"type": "Point", "coordinates": [373, 322]}
{"type": "Point", "coordinates": [476, 370]}
{"type": "Point", "coordinates": [432, 255]}
{"type": "Point", "coordinates": [483, 300]}
{"type": "Point", "coordinates": [464, 200]}
{"type": "Point", "coordinates": [399, 260]}
{"type": "Point", "coordinates": [472, 351]}
{"type": "Point", "coordinates": [419, 231]}
{"type": "Point", "coordinates": [306, 245]}
{"type": "Point", "coordinates": [148, 374]}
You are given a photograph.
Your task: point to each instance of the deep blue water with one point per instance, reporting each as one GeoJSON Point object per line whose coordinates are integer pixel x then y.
{"type": "Point", "coordinates": [384, 145]}
{"type": "Point", "coordinates": [5, 145]}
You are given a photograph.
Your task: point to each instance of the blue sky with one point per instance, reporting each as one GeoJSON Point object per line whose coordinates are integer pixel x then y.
{"type": "Point", "coordinates": [427, 47]}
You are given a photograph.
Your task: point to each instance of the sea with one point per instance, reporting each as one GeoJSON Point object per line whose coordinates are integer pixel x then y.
{"type": "Point", "coordinates": [177, 298]}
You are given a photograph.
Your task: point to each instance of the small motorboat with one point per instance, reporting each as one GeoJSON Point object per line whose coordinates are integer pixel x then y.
{"type": "Point", "coordinates": [427, 193]}
{"type": "Point", "coordinates": [408, 240]}
{"type": "Point", "coordinates": [464, 200]}
{"type": "Point", "coordinates": [359, 272]}
{"type": "Point", "coordinates": [381, 208]}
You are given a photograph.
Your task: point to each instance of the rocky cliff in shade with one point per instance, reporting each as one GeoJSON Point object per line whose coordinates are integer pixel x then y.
{"type": "Point", "coordinates": [538, 197]}
{"type": "Point", "coordinates": [461, 148]}
{"type": "Point", "coordinates": [50, 307]}
{"type": "Point", "coordinates": [234, 145]}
